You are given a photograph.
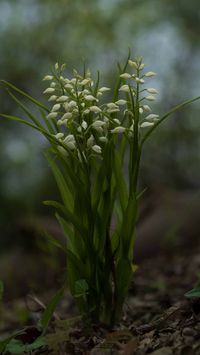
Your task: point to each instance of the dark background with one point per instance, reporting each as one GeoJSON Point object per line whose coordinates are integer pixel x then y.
{"type": "Point", "coordinates": [35, 34]}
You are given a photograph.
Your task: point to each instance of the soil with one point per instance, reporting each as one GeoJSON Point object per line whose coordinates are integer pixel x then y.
{"type": "Point", "coordinates": [158, 319]}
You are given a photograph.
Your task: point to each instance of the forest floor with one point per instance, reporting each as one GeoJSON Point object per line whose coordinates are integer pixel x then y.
{"type": "Point", "coordinates": [158, 319]}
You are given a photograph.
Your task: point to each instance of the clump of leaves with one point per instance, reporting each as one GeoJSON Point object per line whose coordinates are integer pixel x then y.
{"type": "Point", "coordinates": [90, 137]}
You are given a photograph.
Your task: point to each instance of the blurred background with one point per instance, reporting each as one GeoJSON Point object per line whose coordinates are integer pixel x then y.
{"type": "Point", "coordinates": [33, 36]}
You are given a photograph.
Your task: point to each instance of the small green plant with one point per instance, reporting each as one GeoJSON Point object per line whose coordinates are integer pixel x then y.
{"type": "Point", "coordinates": [95, 151]}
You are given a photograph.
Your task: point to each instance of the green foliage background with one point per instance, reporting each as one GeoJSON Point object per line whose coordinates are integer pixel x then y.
{"type": "Point", "coordinates": [35, 34]}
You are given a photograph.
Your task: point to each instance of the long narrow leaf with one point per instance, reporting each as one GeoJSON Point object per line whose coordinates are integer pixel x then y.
{"type": "Point", "coordinates": [62, 185]}
{"type": "Point", "coordinates": [36, 102]}
{"type": "Point", "coordinates": [170, 112]}
{"type": "Point", "coordinates": [49, 311]}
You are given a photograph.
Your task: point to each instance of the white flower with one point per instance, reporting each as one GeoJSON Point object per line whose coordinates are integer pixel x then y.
{"type": "Point", "coordinates": [85, 112]}
{"type": "Point", "coordinates": [146, 124]}
{"type": "Point", "coordinates": [49, 91]}
{"type": "Point", "coordinates": [146, 108]}
{"type": "Point", "coordinates": [149, 74]}
{"type": "Point", "coordinates": [112, 105]}
{"type": "Point", "coordinates": [140, 81]}
{"type": "Point", "coordinates": [151, 116]}
{"type": "Point", "coordinates": [84, 125]}
{"type": "Point", "coordinates": [53, 85]}
{"type": "Point", "coordinates": [141, 110]}
{"type": "Point", "coordinates": [70, 141]}
{"type": "Point", "coordinates": [133, 64]}
{"type": "Point", "coordinates": [62, 122]}
{"type": "Point", "coordinates": [56, 107]}
{"type": "Point", "coordinates": [59, 135]}
{"type": "Point", "coordinates": [95, 109]}
{"type": "Point", "coordinates": [121, 102]}
{"type": "Point", "coordinates": [62, 98]}
{"type": "Point", "coordinates": [52, 98]}
{"type": "Point", "coordinates": [152, 91]}
{"type": "Point", "coordinates": [48, 77]}
{"type": "Point", "coordinates": [150, 98]}
{"type": "Point", "coordinates": [85, 81]}
{"type": "Point", "coordinates": [104, 89]}
{"type": "Point", "coordinates": [124, 88]}
{"type": "Point", "coordinates": [103, 139]}
{"type": "Point", "coordinates": [67, 115]}
{"type": "Point", "coordinates": [68, 86]}
{"type": "Point", "coordinates": [98, 124]}
{"type": "Point", "coordinates": [118, 129]}
{"type": "Point", "coordinates": [116, 121]}
{"type": "Point", "coordinates": [90, 98]}
{"type": "Point", "coordinates": [52, 115]}
{"type": "Point", "coordinates": [141, 66]}
{"type": "Point", "coordinates": [90, 141]}
{"type": "Point", "coordinates": [125, 76]}
{"type": "Point", "coordinates": [72, 104]}
{"type": "Point", "coordinates": [97, 149]}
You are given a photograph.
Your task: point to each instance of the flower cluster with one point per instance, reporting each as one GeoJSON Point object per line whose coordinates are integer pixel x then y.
{"type": "Point", "coordinates": [85, 123]}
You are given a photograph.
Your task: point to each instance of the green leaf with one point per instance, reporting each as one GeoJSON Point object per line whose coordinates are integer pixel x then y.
{"type": "Point", "coordinates": [36, 102]}
{"type": "Point", "coordinates": [68, 214]}
{"type": "Point", "coordinates": [170, 112]}
{"type": "Point", "coordinates": [65, 192]}
{"type": "Point", "coordinates": [48, 313]}
{"type": "Point", "coordinates": [81, 288]}
{"type": "Point", "coordinates": [1, 289]}
{"type": "Point", "coordinates": [25, 109]}
{"type": "Point", "coordinates": [121, 183]}
{"type": "Point", "coordinates": [195, 292]}
{"type": "Point", "coordinates": [73, 243]}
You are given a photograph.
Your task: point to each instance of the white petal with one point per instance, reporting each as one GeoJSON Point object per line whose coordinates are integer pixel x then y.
{"type": "Point", "coordinates": [119, 129]}
{"type": "Point", "coordinates": [125, 76]}
{"type": "Point", "coordinates": [150, 98]}
{"type": "Point", "coordinates": [52, 115]}
{"type": "Point", "coordinates": [152, 91]}
{"type": "Point", "coordinates": [95, 109]}
{"type": "Point", "coordinates": [151, 116]}
{"type": "Point", "coordinates": [49, 91]}
{"type": "Point", "coordinates": [146, 124]}
{"type": "Point", "coordinates": [150, 73]}
{"type": "Point", "coordinates": [48, 77]}
{"type": "Point", "coordinates": [121, 102]}
{"type": "Point", "coordinates": [56, 107]}
{"type": "Point", "coordinates": [96, 148]}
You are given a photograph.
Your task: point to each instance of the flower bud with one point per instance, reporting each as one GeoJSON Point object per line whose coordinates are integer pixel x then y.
{"type": "Point", "coordinates": [146, 108]}
{"type": "Point", "coordinates": [118, 129]}
{"type": "Point", "coordinates": [151, 116]}
{"type": "Point", "coordinates": [104, 89]}
{"type": "Point", "coordinates": [90, 98]}
{"type": "Point", "coordinates": [150, 98]}
{"type": "Point", "coordinates": [149, 74]}
{"type": "Point", "coordinates": [90, 141]}
{"type": "Point", "coordinates": [52, 98]}
{"type": "Point", "coordinates": [56, 107]}
{"type": "Point", "coordinates": [125, 76]}
{"type": "Point", "coordinates": [97, 149]}
{"type": "Point", "coordinates": [133, 64]}
{"type": "Point", "coordinates": [52, 115]}
{"type": "Point", "coordinates": [84, 125]}
{"type": "Point", "coordinates": [121, 102]}
{"type": "Point", "coordinates": [103, 139]}
{"type": "Point", "coordinates": [62, 98]}
{"type": "Point", "coordinates": [48, 77]}
{"type": "Point", "coordinates": [67, 115]}
{"type": "Point", "coordinates": [152, 91]}
{"type": "Point", "coordinates": [95, 109]}
{"type": "Point", "coordinates": [49, 91]}
{"type": "Point", "coordinates": [146, 124]}
{"type": "Point", "coordinates": [59, 135]}
{"type": "Point", "coordinates": [124, 88]}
